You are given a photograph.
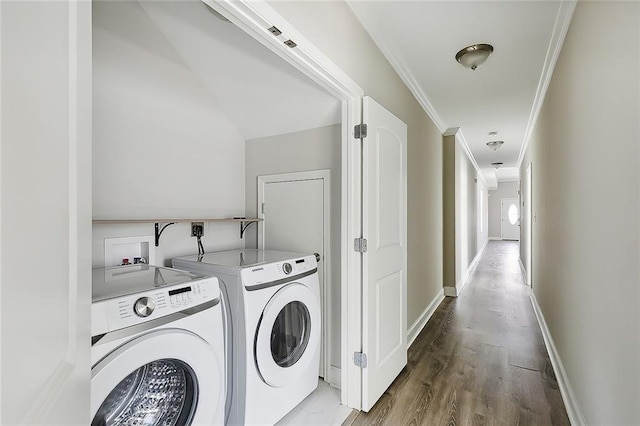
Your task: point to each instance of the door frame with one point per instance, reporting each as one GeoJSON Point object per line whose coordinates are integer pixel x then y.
{"type": "Point", "coordinates": [502, 219]}
{"type": "Point", "coordinates": [529, 222]}
{"type": "Point", "coordinates": [325, 175]}
{"type": "Point", "coordinates": [255, 17]}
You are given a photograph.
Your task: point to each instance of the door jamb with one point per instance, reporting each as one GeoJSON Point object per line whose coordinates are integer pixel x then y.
{"type": "Point", "coordinates": [255, 17]}
{"type": "Point", "coordinates": [530, 225]}
{"type": "Point", "coordinates": [326, 310]}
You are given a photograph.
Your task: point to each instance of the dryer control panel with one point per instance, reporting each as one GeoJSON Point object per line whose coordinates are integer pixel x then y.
{"type": "Point", "coordinates": [118, 313]}
{"type": "Point", "coordinates": [275, 273]}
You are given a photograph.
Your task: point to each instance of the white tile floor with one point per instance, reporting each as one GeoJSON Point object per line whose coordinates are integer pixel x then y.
{"type": "Point", "coordinates": [322, 407]}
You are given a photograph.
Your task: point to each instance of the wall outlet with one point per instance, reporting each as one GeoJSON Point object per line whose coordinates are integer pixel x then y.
{"type": "Point", "coordinates": [197, 229]}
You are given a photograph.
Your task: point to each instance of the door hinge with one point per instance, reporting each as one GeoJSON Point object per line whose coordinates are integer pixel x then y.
{"type": "Point", "coordinates": [360, 245]}
{"type": "Point", "coordinates": [360, 359]}
{"type": "Point", "coordinates": [360, 131]}
{"type": "Point", "coordinates": [263, 208]}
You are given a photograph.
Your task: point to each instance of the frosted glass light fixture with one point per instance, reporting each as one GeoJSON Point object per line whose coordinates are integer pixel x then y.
{"type": "Point", "coordinates": [475, 55]}
{"type": "Point", "coordinates": [495, 145]}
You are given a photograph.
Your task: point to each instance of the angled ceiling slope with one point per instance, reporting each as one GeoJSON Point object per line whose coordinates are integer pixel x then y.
{"type": "Point", "coordinates": [261, 94]}
{"type": "Point", "coordinates": [420, 40]}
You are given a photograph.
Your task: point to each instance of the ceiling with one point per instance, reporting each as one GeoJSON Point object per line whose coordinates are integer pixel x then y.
{"type": "Point", "coordinates": [421, 38]}
{"type": "Point", "coordinates": [260, 94]}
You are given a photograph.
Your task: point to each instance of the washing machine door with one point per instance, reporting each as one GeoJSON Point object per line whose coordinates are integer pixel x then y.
{"type": "Point", "coordinates": [288, 336]}
{"type": "Point", "coordinates": [168, 377]}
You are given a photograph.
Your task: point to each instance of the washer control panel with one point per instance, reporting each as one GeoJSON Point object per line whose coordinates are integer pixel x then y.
{"type": "Point", "coordinates": [287, 270]}
{"type": "Point", "coordinates": [114, 314]}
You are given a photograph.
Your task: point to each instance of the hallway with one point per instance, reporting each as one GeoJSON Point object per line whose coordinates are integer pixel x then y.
{"type": "Point", "coordinates": [480, 359]}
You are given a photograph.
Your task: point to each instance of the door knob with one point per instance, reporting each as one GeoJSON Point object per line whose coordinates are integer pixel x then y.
{"type": "Point", "coordinates": [317, 257]}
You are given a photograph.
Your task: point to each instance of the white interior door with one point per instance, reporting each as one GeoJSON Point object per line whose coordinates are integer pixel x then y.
{"type": "Point", "coordinates": [295, 212]}
{"type": "Point", "coordinates": [384, 302]}
{"type": "Point", "coordinates": [45, 199]}
{"type": "Point", "coordinates": [510, 220]}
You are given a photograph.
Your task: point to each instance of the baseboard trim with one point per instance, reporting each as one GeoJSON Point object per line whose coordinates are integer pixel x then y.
{"type": "Point", "coordinates": [472, 268]}
{"type": "Point", "coordinates": [495, 239]}
{"type": "Point", "coordinates": [455, 291]}
{"type": "Point", "coordinates": [450, 291]}
{"type": "Point", "coordinates": [569, 398]}
{"type": "Point", "coordinates": [335, 378]}
{"type": "Point", "coordinates": [524, 271]}
{"type": "Point", "coordinates": [422, 320]}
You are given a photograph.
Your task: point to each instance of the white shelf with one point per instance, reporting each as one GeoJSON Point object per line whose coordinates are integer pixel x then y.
{"type": "Point", "coordinates": [243, 221]}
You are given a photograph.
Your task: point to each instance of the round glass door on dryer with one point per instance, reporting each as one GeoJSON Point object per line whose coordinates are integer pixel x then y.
{"type": "Point", "coordinates": [157, 379]}
{"type": "Point", "coordinates": [288, 335]}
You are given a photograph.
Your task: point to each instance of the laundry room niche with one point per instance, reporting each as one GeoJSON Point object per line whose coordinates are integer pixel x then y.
{"type": "Point", "coordinates": [187, 111]}
{"type": "Point", "coordinates": [177, 92]}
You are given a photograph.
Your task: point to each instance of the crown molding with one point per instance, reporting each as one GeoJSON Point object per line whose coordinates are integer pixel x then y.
{"type": "Point", "coordinates": [462, 141]}
{"type": "Point", "coordinates": [563, 21]}
{"type": "Point", "coordinates": [407, 78]}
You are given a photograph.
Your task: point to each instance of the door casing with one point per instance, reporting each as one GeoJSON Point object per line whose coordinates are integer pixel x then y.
{"type": "Point", "coordinates": [529, 222]}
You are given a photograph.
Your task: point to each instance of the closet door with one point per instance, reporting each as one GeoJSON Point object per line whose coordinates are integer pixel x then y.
{"type": "Point", "coordinates": [384, 225]}
{"type": "Point", "coordinates": [45, 217]}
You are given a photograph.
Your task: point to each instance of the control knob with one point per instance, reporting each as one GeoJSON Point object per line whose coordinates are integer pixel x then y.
{"type": "Point", "coordinates": [287, 268]}
{"type": "Point", "coordinates": [144, 307]}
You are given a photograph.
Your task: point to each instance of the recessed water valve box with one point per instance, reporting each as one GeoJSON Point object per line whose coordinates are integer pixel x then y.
{"type": "Point", "coordinates": [197, 229]}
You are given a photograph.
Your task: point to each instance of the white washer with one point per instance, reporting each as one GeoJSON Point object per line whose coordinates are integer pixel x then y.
{"type": "Point", "coordinates": [157, 347]}
{"type": "Point", "coordinates": [274, 300]}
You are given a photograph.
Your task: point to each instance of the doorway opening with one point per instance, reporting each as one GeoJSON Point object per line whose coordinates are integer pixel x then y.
{"type": "Point", "coordinates": [181, 89]}
{"type": "Point", "coordinates": [510, 219]}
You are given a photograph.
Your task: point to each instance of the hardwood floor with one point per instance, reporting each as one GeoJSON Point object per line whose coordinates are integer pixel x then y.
{"type": "Point", "coordinates": [480, 360]}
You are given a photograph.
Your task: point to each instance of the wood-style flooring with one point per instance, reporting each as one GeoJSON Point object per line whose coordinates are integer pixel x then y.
{"type": "Point", "coordinates": [480, 360]}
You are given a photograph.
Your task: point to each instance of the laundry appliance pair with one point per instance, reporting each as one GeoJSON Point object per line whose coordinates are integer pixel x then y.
{"type": "Point", "coordinates": [273, 329]}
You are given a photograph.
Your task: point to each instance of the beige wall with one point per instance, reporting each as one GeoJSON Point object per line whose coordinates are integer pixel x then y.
{"type": "Point", "coordinates": [465, 210]}
{"type": "Point", "coordinates": [314, 149]}
{"type": "Point", "coordinates": [449, 209]}
{"type": "Point", "coordinates": [504, 190]}
{"type": "Point", "coordinates": [332, 27]}
{"type": "Point", "coordinates": [586, 190]}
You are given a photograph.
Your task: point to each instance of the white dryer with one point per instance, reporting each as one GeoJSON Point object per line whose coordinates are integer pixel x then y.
{"type": "Point", "coordinates": [157, 348]}
{"type": "Point", "coordinates": [274, 300]}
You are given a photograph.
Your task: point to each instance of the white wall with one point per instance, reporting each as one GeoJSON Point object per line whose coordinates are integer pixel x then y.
{"type": "Point", "coordinates": [469, 239]}
{"type": "Point", "coordinates": [504, 190]}
{"type": "Point", "coordinates": [45, 214]}
{"type": "Point", "coordinates": [314, 149]}
{"type": "Point", "coordinates": [585, 152]}
{"type": "Point", "coordinates": [482, 214]}
{"type": "Point", "coordinates": [162, 147]}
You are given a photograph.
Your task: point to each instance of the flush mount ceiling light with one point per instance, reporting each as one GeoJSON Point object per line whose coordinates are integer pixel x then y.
{"type": "Point", "coordinates": [497, 165]}
{"type": "Point", "coordinates": [475, 55]}
{"type": "Point", "coordinates": [494, 145]}
{"type": "Point", "coordinates": [493, 133]}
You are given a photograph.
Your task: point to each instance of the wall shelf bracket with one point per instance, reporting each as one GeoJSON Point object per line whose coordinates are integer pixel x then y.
{"type": "Point", "coordinates": [160, 230]}
{"type": "Point", "coordinates": [244, 225]}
